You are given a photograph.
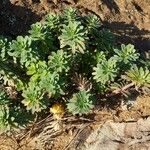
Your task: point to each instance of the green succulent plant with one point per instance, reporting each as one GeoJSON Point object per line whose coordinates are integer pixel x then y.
{"type": "Point", "coordinates": [51, 84]}
{"type": "Point", "coordinates": [8, 74]}
{"type": "Point", "coordinates": [139, 76]}
{"type": "Point", "coordinates": [4, 118]}
{"type": "Point", "coordinates": [100, 57]}
{"type": "Point", "coordinates": [70, 14]}
{"type": "Point", "coordinates": [93, 22]}
{"type": "Point", "coordinates": [37, 31]}
{"type": "Point", "coordinates": [105, 71]}
{"type": "Point", "coordinates": [46, 77]}
{"type": "Point", "coordinates": [37, 69]}
{"type": "Point", "coordinates": [52, 21]}
{"type": "Point", "coordinates": [127, 54]}
{"type": "Point", "coordinates": [59, 61]}
{"type": "Point", "coordinates": [3, 47]}
{"type": "Point", "coordinates": [73, 37]}
{"type": "Point", "coordinates": [80, 103]}
{"type": "Point", "coordinates": [4, 99]}
{"type": "Point", "coordinates": [33, 98]}
{"type": "Point", "coordinates": [104, 41]}
{"type": "Point", "coordinates": [4, 111]}
{"type": "Point", "coordinates": [21, 50]}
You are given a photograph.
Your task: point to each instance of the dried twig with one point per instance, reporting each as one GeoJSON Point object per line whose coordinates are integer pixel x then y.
{"type": "Point", "coordinates": [75, 136]}
{"type": "Point", "coordinates": [144, 139]}
{"type": "Point", "coordinates": [120, 90]}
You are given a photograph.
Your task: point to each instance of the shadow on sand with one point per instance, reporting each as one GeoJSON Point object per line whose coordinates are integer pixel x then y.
{"type": "Point", "coordinates": [112, 5]}
{"type": "Point", "coordinates": [129, 33]}
{"type": "Point", "coordinates": [15, 20]}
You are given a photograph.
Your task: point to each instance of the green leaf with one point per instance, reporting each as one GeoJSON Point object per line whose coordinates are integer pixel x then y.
{"type": "Point", "coordinates": [31, 69]}
{"type": "Point", "coordinates": [104, 40]}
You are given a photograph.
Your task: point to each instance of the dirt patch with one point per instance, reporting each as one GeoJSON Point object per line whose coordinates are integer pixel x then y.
{"type": "Point", "coordinates": [16, 19]}
{"type": "Point", "coordinates": [130, 20]}
{"type": "Point", "coordinates": [108, 128]}
{"type": "Point", "coordinates": [7, 143]}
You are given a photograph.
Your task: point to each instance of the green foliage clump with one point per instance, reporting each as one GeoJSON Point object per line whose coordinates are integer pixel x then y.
{"type": "Point", "coordinates": [37, 31]}
{"type": "Point", "coordinates": [4, 118]}
{"type": "Point", "coordinates": [21, 51]}
{"type": "Point", "coordinates": [80, 103]}
{"type": "Point", "coordinates": [106, 71]}
{"type": "Point", "coordinates": [41, 66]}
{"type": "Point", "coordinates": [59, 61]}
{"type": "Point", "coordinates": [52, 21]}
{"type": "Point", "coordinates": [3, 47]}
{"type": "Point", "coordinates": [33, 98]}
{"type": "Point", "coordinates": [73, 36]}
{"type": "Point", "coordinates": [70, 15]}
{"type": "Point", "coordinates": [93, 23]}
{"type": "Point", "coordinates": [139, 76]}
{"type": "Point", "coordinates": [11, 117]}
{"type": "Point", "coordinates": [127, 54]}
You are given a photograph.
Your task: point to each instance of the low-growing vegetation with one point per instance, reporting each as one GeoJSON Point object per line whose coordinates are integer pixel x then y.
{"type": "Point", "coordinates": [65, 61]}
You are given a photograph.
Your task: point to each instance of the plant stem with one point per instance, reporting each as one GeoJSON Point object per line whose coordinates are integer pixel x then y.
{"type": "Point", "coordinates": [120, 90]}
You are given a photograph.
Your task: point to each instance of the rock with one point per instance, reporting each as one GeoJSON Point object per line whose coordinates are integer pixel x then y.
{"type": "Point", "coordinates": [118, 136]}
{"type": "Point", "coordinates": [144, 125]}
